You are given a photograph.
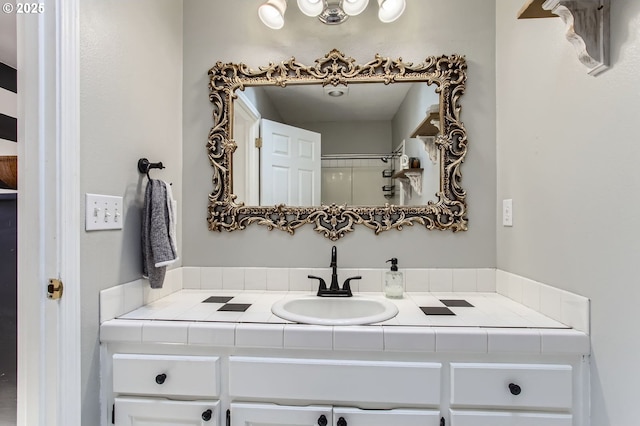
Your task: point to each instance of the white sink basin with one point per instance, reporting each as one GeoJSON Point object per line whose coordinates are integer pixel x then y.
{"type": "Point", "coordinates": [353, 310]}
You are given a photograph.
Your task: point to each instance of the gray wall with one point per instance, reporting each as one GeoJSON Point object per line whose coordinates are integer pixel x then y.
{"type": "Point", "coordinates": [130, 95]}
{"type": "Point", "coordinates": [231, 32]}
{"type": "Point", "coordinates": [352, 137]}
{"type": "Point", "coordinates": [412, 111]}
{"type": "Point", "coordinates": [568, 157]}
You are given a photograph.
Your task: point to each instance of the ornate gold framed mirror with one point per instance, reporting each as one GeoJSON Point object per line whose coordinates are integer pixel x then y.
{"type": "Point", "coordinates": [447, 144]}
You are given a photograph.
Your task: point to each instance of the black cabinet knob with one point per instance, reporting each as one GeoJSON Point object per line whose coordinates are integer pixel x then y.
{"type": "Point", "coordinates": [342, 422]}
{"type": "Point", "coordinates": [206, 415]}
{"type": "Point", "coordinates": [322, 420]}
{"type": "Point", "coordinates": [514, 389]}
{"type": "Point", "coordinates": [160, 378]}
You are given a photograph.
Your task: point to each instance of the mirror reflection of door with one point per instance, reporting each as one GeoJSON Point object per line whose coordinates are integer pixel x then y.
{"type": "Point", "coordinates": [289, 165]}
{"type": "Point", "coordinates": [246, 158]}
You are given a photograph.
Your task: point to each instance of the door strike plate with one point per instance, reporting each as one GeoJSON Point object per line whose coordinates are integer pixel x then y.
{"type": "Point", "coordinates": [54, 289]}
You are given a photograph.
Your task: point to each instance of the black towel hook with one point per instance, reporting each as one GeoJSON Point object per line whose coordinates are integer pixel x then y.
{"type": "Point", "coordinates": [144, 166]}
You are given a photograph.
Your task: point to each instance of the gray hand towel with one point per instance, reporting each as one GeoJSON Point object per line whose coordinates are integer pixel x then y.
{"type": "Point", "coordinates": [157, 248]}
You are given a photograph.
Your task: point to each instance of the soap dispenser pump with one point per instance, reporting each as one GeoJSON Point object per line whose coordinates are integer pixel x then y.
{"type": "Point", "coordinates": [393, 286]}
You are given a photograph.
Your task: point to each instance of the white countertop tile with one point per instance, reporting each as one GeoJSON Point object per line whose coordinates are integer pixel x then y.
{"type": "Point", "coordinates": [488, 310]}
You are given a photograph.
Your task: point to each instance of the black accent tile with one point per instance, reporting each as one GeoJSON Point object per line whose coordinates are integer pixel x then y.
{"type": "Point", "coordinates": [217, 299]}
{"type": "Point", "coordinates": [456, 303]}
{"type": "Point", "coordinates": [436, 310]}
{"type": "Point", "coordinates": [235, 307]}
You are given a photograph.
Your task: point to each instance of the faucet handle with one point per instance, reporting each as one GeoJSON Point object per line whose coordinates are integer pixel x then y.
{"type": "Point", "coordinates": [347, 283]}
{"type": "Point", "coordinates": [323, 284]}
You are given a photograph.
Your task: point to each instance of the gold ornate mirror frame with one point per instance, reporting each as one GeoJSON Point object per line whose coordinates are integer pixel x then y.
{"type": "Point", "coordinates": [448, 73]}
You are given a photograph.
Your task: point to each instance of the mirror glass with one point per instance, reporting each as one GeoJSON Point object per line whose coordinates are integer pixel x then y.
{"type": "Point", "coordinates": [356, 136]}
{"type": "Point", "coordinates": [378, 144]}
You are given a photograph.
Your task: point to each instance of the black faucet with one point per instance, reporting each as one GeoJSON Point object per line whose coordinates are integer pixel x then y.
{"type": "Point", "coordinates": [334, 289]}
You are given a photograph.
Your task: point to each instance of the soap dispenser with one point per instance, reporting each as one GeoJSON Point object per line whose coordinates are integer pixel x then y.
{"type": "Point", "coordinates": [393, 287]}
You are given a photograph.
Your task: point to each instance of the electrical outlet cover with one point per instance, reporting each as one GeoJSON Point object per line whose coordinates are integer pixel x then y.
{"type": "Point", "coordinates": [507, 212]}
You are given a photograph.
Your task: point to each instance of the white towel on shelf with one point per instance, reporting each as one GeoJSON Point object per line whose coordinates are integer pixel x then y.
{"type": "Point", "coordinates": [158, 248]}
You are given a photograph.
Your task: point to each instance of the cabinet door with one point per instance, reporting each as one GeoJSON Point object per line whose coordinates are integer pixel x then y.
{"type": "Point", "coordinates": [163, 412]}
{"type": "Point", "coordinates": [396, 417]}
{"type": "Point", "coordinates": [492, 418]}
{"type": "Point", "coordinates": [247, 414]}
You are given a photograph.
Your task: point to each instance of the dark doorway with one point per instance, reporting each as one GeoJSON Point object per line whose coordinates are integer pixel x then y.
{"type": "Point", "coordinates": [8, 308]}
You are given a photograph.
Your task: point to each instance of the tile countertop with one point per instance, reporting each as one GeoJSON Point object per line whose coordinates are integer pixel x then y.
{"type": "Point", "coordinates": [493, 323]}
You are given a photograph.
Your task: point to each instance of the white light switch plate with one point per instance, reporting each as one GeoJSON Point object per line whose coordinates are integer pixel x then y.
{"type": "Point", "coordinates": [507, 212]}
{"type": "Point", "coordinates": [103, 212]}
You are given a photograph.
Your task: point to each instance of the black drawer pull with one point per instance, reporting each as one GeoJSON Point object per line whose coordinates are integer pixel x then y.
{"type": "Point", "coordinates": [160, 378]}
{"type": "Point", "coordinates": [206, 415]}
{"type": "Point", "coordinates": [322, 420]}
{"type": "Point", "coordinates": [342, 422]}
{"type": "Point", "coordinates": [514, 389]}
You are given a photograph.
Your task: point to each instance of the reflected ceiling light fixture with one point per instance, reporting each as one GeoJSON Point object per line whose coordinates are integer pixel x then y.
{"type": "Point", "coordinates": [330, 12]}
{"type": "Point", "coordinates": [336, 91]}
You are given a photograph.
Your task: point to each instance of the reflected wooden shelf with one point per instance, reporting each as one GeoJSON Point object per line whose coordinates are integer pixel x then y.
{"type": "Point", "coordinates": [9, 172]}
{"type": "Point", "coordinates": [402, 174]}
{"type": "Point", "coordinates": [414, 176]}
{"type": "Point", "coordinates": [426, 127]}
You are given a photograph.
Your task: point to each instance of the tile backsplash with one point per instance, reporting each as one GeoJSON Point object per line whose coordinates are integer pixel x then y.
{"type": "Point", "coordinates": [568, 308]}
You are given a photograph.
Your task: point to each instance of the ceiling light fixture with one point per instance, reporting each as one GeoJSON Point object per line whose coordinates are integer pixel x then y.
{"type": "Point", "coordinates": [390, 10]}
{"type": "Point", "coordinates": [330, 12]}
{"type": "Point", "coordinates": [271, 13]}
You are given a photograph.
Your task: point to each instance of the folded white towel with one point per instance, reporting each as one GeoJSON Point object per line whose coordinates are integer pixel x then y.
{"type": "Point", "coordinates": [158, 251]}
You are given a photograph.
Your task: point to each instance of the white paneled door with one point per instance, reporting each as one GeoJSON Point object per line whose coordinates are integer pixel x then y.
{"type": "Point", "coordinates": [49, 216]}
{"type": "Point", "coordinates": [289, 165]}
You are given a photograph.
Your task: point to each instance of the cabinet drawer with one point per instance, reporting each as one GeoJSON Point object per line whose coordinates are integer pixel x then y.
{"type": "Point", "coordinates": [493, 418]}
{"type": "Point", "coordinates": [540, 386]}
{"type": "Point", "coordinates": [166, 375]}
{"type": "Point", "coordinates": [156, 411]}
{"type": "Point", "coordinates": [379, 383]}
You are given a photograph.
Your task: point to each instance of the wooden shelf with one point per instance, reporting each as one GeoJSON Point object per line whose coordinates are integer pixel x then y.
{"type": "Point", "coordinates": [402, 173]}
{"type": "Point", "coordinates": [587, 23]}
{"type": "Point", "coordinates": [426, 127]}
{"type": "Point", "coordinates": [533, 9]}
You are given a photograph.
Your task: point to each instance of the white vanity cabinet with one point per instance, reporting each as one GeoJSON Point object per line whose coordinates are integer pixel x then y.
{"type": "Point", "coordinates": [168, 390]}
{"type": "Point", "coordinates": [213, 377]}
{"type": "Point", "coordinates": [249, 414]}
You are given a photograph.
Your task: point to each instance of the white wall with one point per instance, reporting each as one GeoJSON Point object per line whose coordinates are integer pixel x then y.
{"type": "Point", "coordinates": [217, 30]}
{"type": "Point", "coordinates": [131, 96]}
{"type": "Point", "coordinates": [568, 157]}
